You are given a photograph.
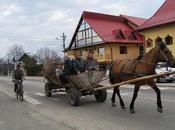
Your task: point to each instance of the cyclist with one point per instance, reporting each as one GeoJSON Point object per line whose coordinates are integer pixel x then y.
{"type": "Point", "coordinates": [17, 75]}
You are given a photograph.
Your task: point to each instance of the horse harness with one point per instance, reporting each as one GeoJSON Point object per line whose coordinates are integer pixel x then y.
{"type": "Point", "coordinates": [133, 67]}
{"type": "Point", "coordinates": [132, 71]}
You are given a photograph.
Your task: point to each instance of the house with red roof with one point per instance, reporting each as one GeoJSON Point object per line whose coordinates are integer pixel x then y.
{"type": "Point", "coordinates": [109, 37]}
{"type": "Point", "coordinates": [161, 26]}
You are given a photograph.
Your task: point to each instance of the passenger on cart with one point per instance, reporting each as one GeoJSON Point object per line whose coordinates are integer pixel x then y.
{"type": "Point", "coordinates": [91, 63]}
{"type": "Point", "coordinates": [59, 69]}
{"type": "Point", "coordinates": [79, 65]}
{"type": "Point", "coordinates": [67, 70]}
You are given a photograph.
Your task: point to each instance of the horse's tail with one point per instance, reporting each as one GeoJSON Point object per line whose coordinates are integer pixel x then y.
{"type": "Point", "coordinates": [111, 74]}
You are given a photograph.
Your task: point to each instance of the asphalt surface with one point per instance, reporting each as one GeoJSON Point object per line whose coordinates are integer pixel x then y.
{"type": "Point", "coordinates": [39, 112]}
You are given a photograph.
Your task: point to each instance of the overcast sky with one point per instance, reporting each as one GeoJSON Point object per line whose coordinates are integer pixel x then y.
{"type": "Point", "coordinates": [36, 23]}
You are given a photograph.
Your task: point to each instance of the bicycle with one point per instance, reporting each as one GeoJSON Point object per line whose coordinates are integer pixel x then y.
{"type": "Point", "coordinates": [19, 89]}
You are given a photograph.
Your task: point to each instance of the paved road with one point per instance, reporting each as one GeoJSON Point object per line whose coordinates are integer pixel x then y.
{"type": "Point", "coordinates": [39, 112]}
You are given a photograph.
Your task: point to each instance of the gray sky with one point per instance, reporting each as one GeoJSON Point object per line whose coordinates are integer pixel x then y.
{"type": "Point", "coordinates": [36, 23]}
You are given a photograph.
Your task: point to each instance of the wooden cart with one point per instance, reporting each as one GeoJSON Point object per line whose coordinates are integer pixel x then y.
{"type": "Point", "coordinates": [79, 85]}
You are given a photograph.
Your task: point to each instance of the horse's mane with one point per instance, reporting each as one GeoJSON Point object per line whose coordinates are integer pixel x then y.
{"type": "Point", "coordinates": [148, 53]}
{"type": "Point", "coordinates": [139, 57]}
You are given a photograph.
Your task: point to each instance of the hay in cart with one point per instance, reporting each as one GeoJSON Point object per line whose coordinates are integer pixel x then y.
{"type": "Point", "coordinates": [50, 73]}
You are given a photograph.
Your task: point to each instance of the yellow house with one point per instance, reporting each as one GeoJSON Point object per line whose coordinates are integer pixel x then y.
{"type": "Point", "coordinates": [108, 37]}
{"type": "Point", "coordinates": [161, 26]}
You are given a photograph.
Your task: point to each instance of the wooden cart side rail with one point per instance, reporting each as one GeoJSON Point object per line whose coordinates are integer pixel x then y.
{"type": "Point", "coordinates": [77, 82]}
{"type": "Point", "coordinates": [53, 80]}
{"type": "Point", "coordinates": [135, 80]}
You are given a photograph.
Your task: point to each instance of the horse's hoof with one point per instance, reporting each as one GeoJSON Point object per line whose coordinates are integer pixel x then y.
{"type": "Point", "coordinates": [113, 104]}
{"type": "Point", "coordinates": [159, 109]}
{"type": "Point", "coordinates": [123, 107]}
{"type": "Point", "coordinates": [132, 111]}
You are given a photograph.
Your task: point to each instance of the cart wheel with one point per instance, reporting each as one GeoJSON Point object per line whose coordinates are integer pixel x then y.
{"type": "Point", "coordinates": [74, 96]}
{"type": "Point", "coordinates": [47, 90]}
{"type": "Point", "coordinates": [101, 95]}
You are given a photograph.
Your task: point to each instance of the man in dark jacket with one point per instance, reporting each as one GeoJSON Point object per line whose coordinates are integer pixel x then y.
{"type": "Point", "coordinates": [91, 62]}
{"type": "Point", "coordinates": [67, 69]}
{"type": "Point", "coordinates": [78, 64]}
{"type": "Point", "coordinates": [17, 75]}
{"type": "Point", "coordinates": [67, 65]}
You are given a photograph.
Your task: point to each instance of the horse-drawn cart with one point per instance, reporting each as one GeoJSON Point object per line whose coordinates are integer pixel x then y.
{"type": "Point", "coordinates": [78, 85]}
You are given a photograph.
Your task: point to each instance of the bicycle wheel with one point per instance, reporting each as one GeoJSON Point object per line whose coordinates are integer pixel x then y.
{"type": "Point", "coordinates": [17, 91]}
{"type": "Point", "coordinates": [21, 92]}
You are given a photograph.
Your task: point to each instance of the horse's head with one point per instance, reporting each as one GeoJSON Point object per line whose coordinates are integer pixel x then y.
{"type": "Point", "coordinates": [165, 54]}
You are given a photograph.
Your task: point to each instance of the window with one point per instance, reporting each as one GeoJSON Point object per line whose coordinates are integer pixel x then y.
{"type": "Point", "coordinates": [89, 41]}
{"type": "Point", "coordinates": [132, 36]}
{"type": "Point", "coordinates": [80, 36]}
{"type": "Point", "coordinates": [86, 36]}
{"type": "Point", "coordinates": [149, 43]}
{"type": "Point", "coordinates": [87, 26]}
{"type": "Point", "coordinates": [169, 40]}
{"type": "Point", "coordinates": [123, 50]}
{"type": "Point", "coordinates": [81, 42]}
{"type": "Point", "coordinates": [158, 39]}
{"type": "Point", "coordinates": [101, 51]}
{"type": "Point", "coordinates": [96, 39]}
{"type": "Point", "coordinates": [120, 35]}
{"type": "Point", "coordinates": [94, 33]}
{"type": "Point", "coordinates": [141, 50]}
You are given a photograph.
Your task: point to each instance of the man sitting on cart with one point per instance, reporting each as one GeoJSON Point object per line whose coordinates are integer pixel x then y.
{"type": "Point", "coordinates": [59, 69]}
{"type": "Point", "coordinates": [79, 65]}
{"type": "Point", "coordinates": [67, 69]}
{"type": "Point", "coordinates": [91, 62]}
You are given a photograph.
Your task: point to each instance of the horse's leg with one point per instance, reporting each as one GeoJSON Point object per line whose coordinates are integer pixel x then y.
{"type": "Point", "coordinates": [113, 97]}
{"type": "Point", "coordinates": [136, 89]}
{"type": "Point", "coordinates": [120, 99]}
{"type": "Point", "coordinates": [159, 102]}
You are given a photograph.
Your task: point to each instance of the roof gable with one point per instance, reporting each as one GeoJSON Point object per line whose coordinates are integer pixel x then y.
{"type": "Point", "coordinates": [165, 14]}
{"type": "Point", "coordinates": [104, 25]}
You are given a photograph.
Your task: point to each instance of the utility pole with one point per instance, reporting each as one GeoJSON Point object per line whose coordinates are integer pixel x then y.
{"type": "Point", "coordinates": [64, 39]}
{"type": "Point", "coordinates": [8, 67]}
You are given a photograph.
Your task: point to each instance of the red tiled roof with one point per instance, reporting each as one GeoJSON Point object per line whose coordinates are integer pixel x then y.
{"type": "Point", "coordinates": [136, 20]}
{"type": "Point", "coordinates": [164, 15]}
{"type": "Point", "coordinates": [105, 25]}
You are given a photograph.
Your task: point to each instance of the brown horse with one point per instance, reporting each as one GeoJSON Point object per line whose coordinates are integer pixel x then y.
{"type": "Point", "coordinates": [123, 70]}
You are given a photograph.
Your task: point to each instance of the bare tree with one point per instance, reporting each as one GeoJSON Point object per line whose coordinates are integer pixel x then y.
{"type": "Point", "coordinates": [44, 54]}
{"type": "Point", "coordinates": [16, 50]}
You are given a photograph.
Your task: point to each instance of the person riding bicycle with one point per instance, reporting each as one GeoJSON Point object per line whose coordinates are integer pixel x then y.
{"type": "Point", "coordinates": [17, 75]}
